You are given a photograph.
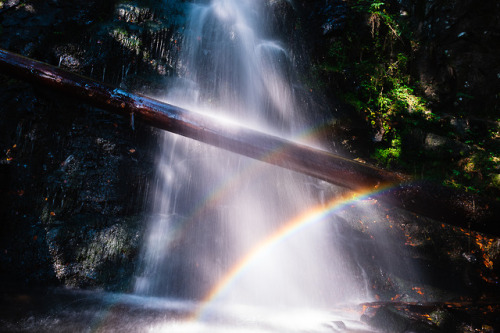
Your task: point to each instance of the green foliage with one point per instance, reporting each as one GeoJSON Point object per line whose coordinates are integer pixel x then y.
{"type": "Point", "coordinates": [390, 155]}
{"type": "Point", "coordinates": [337, 57]}
{"type": "Point", "coordinates": [376, 6]}
{"type": "Point", "coordinates": [129, 40]}
{"type": "Point", "coordinates": [476, 172]}
{"type": "Point", "coordinates": [379, 60]}
{"type": "Point", "coordinates": [374, 55]}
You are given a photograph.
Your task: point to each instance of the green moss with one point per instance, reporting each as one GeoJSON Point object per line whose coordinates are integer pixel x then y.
{"type": "Point", "coordinates": [126, 39]}
{"type": "Point", "coordinates": [495, 180]}
{"type": "Point", "coordinates": [119, 31]}
{"type": "Point", "coordinates": [388, 156]}
{"type": "Point", "coordinates": [371, 61]}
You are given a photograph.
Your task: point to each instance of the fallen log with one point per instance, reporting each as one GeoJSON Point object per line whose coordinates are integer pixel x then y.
{"type": "Point", "coordinates": [426, 199]}
{"type": "Point", "coordinates": [204, 128]}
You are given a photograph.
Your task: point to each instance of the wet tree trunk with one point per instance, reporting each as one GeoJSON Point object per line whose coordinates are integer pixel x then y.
{"type": "Point", "coordinates": [426, 199]}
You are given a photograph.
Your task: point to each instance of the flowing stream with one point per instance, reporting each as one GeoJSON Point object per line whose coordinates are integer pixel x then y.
{"type": "Point", "coordinates": [226, 232]}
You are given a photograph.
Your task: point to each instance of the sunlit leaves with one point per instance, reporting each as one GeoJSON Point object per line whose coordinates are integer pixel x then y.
{"type": "Point", "coordinates": [376, 6]}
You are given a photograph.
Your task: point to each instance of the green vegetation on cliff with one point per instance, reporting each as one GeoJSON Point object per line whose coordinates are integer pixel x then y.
{"type": "Point", "coordinates": [428, 117]}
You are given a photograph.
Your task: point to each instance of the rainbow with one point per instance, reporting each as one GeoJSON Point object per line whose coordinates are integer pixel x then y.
{"type": "Point", "coordinates": [310, 217]}
{"type": "Point", "coordinates": [238, 177]}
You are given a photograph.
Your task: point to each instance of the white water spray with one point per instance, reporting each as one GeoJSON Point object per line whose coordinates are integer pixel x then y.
{"type": "Point", "coordinates": [212, 207]}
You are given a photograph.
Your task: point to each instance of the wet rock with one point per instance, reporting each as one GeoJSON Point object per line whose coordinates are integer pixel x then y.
{"type": "Point", "coordinates": [444, 320]}
{"type": "Point", "coordinates": [88, 251]}
{"type": "Point", "coordinates": [132, 12]}
{"type": "Point", "coordinates": [457, 57]}
{"type": "Point", "coordinates": [338, 325]}
{"type": "Point", "coordinates": [433, 141]}
{"type": "Point", "coordinates": [459, 125]}
{"type": "Point", "coordinates": [437, 143]}
{"type": "Point", "coordinates": [69, 188]}
{"type": "Point", "coordinates": [387, 319]}
{"type": "Point", "coordinates": [77, 176]}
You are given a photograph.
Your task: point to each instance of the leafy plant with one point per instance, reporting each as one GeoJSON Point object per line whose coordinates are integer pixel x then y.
{"type": "Point", "coordinates": [373, 56]}
{"type": "Point", "coordinates": [389, 155]}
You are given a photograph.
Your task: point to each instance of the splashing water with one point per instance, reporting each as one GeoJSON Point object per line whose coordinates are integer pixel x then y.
{"type": "Point", "coordinates": [212, 209]}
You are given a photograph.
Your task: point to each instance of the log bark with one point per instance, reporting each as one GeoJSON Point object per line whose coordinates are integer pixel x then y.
{"type": "Point", "coordinates": [424, 198]}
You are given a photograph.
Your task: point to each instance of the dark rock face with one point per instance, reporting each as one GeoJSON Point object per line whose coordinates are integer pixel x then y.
{"type": "Point", "coordinates": [74, 180]}
{"type": "Point", "coordinates": [457, 61]}
{"type": "Point", "coordinates": [27, 26]}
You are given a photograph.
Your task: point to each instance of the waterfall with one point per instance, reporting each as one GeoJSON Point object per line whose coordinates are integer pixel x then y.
{"type": "Point", "coordinates": [219, 225]}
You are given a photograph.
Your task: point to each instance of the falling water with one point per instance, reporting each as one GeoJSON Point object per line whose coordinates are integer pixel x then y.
{"type": "Point", "coordinates": [212, 209]}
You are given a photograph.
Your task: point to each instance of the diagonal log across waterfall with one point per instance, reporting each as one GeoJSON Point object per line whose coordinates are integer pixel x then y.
{"type": "Point", "coordinates": [430, 200]}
